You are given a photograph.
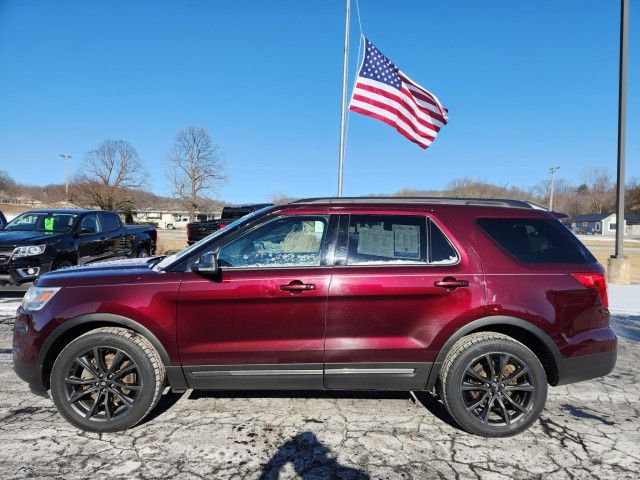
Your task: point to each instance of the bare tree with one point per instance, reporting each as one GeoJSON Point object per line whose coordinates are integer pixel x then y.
{"type": "Point", "coordinates": [195, 170]}
{"type": "Point", "coordinates": [632, 202]}
{"type": "Point", "coordinates": [600, 192]}
{"type": "Point", "coordinates": [109, 177]}
{"type": "Point", "coordinates": [8, 186]}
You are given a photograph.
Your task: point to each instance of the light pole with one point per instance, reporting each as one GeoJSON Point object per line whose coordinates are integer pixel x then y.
{"type": "Point", "coordinates": [622, 120]}
{"type": "Point", "coordinates": [618, 265]}
{"type": "Point", "coordinates": [552, 172]}
{"type": "Point", "coordinates": [66, 157]}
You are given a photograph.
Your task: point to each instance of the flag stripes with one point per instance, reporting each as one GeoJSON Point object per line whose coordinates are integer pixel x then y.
{"type": "Point", "coordinates": [385, 93]}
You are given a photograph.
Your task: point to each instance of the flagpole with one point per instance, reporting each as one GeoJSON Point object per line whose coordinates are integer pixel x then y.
{"type": "Point", "coordinates": [343, 110]}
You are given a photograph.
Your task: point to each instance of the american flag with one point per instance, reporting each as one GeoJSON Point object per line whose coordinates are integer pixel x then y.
{"type": "Point", "coordinates": [384, 92]}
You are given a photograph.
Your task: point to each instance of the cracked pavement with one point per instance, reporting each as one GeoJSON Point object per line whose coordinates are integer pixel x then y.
{"type": "Point", "coordinates": [588, 430]}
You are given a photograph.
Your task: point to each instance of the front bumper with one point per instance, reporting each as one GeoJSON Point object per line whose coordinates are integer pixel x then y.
{"type": "Point", "coordinates": [23, 270]}
{"type": "Point", "coordinates": [26, 346]}
{"type": "Point", "coordinates": [30, 374]}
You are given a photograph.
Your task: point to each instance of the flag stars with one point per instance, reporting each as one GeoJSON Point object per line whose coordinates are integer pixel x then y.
{"type": "Point", "coordinates": [378, 67]}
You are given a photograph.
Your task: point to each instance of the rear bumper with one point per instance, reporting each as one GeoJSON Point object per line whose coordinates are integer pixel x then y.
{"type": "Point", "coordinates": [586, 367]}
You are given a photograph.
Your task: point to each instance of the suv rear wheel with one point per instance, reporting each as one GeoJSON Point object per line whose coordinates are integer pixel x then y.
{"type": "Point", "coordinates": [107, 380]}
{"type": "Point", "coordinates": [493, 385]}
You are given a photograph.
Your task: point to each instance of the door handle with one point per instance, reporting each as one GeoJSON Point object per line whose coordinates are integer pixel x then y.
{"type": "Point", "coordinates": [451, 283]}
{"type": "Point", "coordinates": [296, 286]}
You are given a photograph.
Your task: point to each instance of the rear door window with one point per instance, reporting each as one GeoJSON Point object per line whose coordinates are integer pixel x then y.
{"type": "Point", "coordinates": [536, 240]}
{"type": "Point", "coordinates": [90, 224]}
{"type": "Point", "coordinates": [109, 222]}
{"type": "Point", "coordinates": [397, 240]}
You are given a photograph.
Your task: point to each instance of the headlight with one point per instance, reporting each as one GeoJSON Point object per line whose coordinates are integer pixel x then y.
{"type": "Point", "coordinates": [29, 250]}
{"type": "Point", "coordinates": [37, 297]}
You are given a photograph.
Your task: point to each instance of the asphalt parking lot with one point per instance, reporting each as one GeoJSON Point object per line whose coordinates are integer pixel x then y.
{"type": "Point", "coordinates": [588, 430]}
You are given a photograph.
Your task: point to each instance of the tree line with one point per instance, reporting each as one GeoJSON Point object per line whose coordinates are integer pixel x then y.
{"type": "Point", "coordinates": [595, 193]}
{"type": "Point", "coordinates": [113, 177]}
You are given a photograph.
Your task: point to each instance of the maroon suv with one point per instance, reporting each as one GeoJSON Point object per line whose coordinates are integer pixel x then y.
{"type": "Point", "coordinates": [483, 301]}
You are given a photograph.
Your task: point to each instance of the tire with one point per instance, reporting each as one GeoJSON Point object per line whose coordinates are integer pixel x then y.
{"type": "Point", "coordinates": [61, 263]}
{"type": "Point", "coordinates": [142, 252]}
{"type": "Point", "coordinates": [87, 400]}
{"type": "Point", "coordinates": [498, 403]}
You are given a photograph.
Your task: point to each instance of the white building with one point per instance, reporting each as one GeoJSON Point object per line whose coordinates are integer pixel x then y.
{"type": "Point", "coordinates": [170, 219]}
{"type": "Point", "coordinates": [604, 224]}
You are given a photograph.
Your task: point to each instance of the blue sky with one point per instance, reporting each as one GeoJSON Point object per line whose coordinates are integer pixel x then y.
{"type": "Point", "coordinates": [527, 84]}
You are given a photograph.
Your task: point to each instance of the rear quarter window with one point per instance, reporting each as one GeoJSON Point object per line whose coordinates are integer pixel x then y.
{"type": "Point", "coordinates": [533, 240]}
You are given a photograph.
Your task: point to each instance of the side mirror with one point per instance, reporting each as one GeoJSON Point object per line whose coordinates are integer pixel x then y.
{"type": "Point", "coordinates": [207, 264]}
{"type": "Point", "coordinates": [87, 231]}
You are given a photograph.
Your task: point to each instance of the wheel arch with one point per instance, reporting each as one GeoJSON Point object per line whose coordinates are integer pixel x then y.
{"type": "Point", "coordinates": [73, 258]}
{"type": "Point", "coordinates": [71, 329]}
{"type": "Point", "coordinates": [532, 336]}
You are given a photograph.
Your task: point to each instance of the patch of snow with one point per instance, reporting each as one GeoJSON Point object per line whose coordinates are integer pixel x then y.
{"type": "Point", "coordinates": [624, 299]}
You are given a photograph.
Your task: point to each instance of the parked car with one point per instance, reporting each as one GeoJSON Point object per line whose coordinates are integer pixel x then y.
{"type": "Point", "coordinates": [3, 220]}
{"type": "Point", "coordinates": [38, 241]}
{"type": "Point", "coordinates": [198, 230]}
{"type": "Point", "coordinates": [485, 302]}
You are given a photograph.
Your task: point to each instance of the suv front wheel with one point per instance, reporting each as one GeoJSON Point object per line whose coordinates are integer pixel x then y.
{"type": "Point", "coordinates": [107, 380]}
{"type": "Point", "coordinates": [493, 385]}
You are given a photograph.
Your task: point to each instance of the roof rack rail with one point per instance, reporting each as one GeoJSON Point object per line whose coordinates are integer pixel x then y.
{"type": "Point", "coordinates": [494, 202]}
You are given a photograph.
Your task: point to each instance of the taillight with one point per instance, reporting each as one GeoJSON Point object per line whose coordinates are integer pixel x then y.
{"type": "Point", "coordinates": [596, 281]}
{"type": "Point", "coordinates": [221, 226]}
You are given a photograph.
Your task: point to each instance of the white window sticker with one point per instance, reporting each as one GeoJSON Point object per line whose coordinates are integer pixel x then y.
{"type": "Point", "coordinates": [406, 241]}
{"type": "Point", "coordinates": [375, 241]}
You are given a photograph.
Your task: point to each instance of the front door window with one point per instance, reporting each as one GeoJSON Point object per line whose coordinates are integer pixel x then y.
{"type": "Point", "coordinates": [283, 242]}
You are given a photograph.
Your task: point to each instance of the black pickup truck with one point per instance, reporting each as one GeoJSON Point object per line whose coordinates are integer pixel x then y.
{"type": "Point", "coordinates": [198, 230]}
{"type": "Point", "coordinates": [38, 241]}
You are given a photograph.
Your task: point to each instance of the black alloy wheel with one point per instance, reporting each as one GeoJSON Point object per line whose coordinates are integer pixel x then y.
{"type": "Point", "coordinates": [497, 388]}
{"type": "Point", "coordinates": [493, 385]}
{"type": "Point", "coordinates": [102, 383]}
{"type": "Point", "coordinates": [107, 380]}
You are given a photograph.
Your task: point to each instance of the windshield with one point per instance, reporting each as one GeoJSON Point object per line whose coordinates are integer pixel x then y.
{"type": "Point", "coordinates": [168, 260]}
{"type": "Point", "coordinates": [42, 222]}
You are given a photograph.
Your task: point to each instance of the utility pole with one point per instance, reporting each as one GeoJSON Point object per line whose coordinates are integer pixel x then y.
{"type": "Point", "coordinates": [552, 171]}
{"type": "Point", "coordinates": [618, 265]}
{"type": "Point", "coordinates": [66, 157]}
{"type": "Point", "coordinates": [345, 65]}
